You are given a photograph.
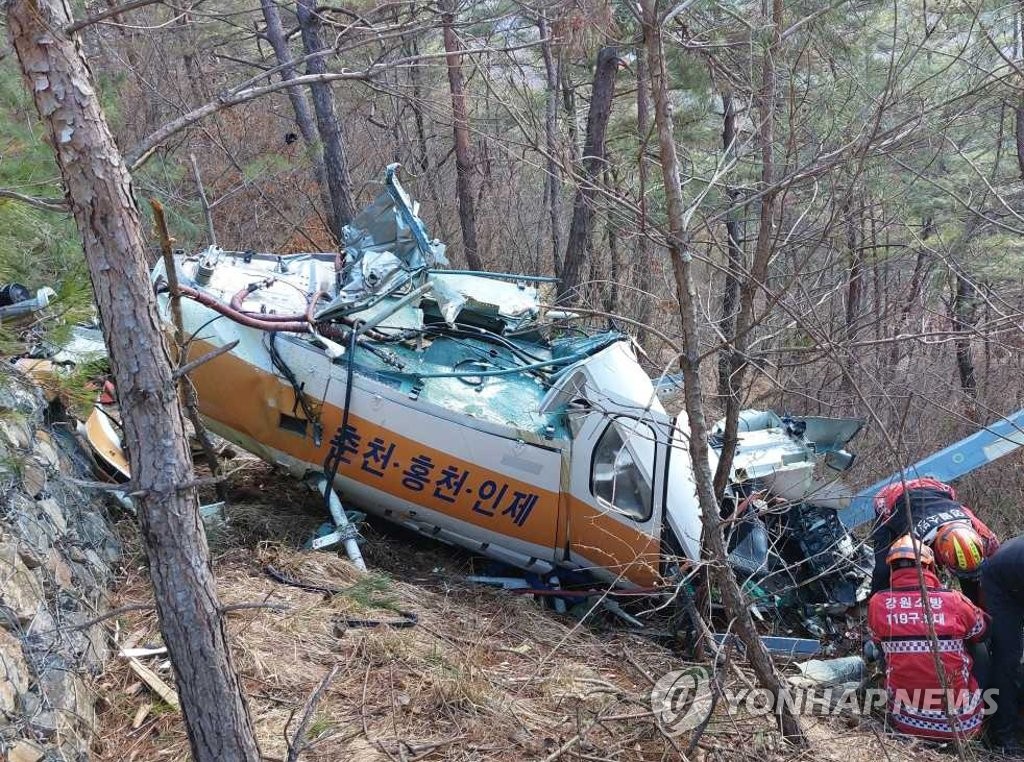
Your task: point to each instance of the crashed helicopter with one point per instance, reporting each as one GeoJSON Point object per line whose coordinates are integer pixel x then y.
{"type": "Point", "coordinates": [458, 405]}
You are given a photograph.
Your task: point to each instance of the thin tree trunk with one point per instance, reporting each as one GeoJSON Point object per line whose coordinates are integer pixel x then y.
{"type": "Point", "coordinates": [734, 253]}
{"type": "Point", "coordinates": [854, 294]}
{"type": "Point", "coordinates": [303, 116]}
{"type": "Point", "coordinates": [569, 106]}
{"type": "Point", "coordinates": [611, 299]}
{"type": "Point", "coordinates": [1019, 114]}
{"type": "Point", "coordinates": [964, 313]}
{"type": "Point", "coordinates": [766, 100]}
{"type": "Point", "coordinates": [331, 138]}
{"type": "Point", "coordinates": [1019, 110]}
{"type": "Point", "coordinates": [189, 48]}
{"type": "Point", "coordinates": [854, 284]}
{"type": "Point", "coordinates": [581, 231]}
{"type": "Point", "coordinates": [881, 309]}
{"type": "Point", "coordinates": [99, 190]}
{"type": "Point", "coordinates": [428, 169]}
{"type": "Point", "coordinates": [644, 264]}
{"type": "Point", "coordinates": [553, 177]}
{"type": "Point", "coordinates": [714, 540]}
{"type": "Point", "coordinates": [460, 126]}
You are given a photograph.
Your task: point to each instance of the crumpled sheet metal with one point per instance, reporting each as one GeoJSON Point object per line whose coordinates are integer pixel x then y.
{"type": "Point", "coordinates": [390, 224]}
{"type": "Point", "coordinates": [826, 672]}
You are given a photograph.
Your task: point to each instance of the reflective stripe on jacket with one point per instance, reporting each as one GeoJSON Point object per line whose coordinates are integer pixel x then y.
{"type": "Point", "coordinates": [918, 701]}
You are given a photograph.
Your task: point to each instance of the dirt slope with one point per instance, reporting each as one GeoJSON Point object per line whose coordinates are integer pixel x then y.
{"type": "Point", "coordinates": [482, 675]}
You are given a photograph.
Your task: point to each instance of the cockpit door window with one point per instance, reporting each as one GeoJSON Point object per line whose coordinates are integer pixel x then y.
{"type": "Point", "coordinates": [616, 477]}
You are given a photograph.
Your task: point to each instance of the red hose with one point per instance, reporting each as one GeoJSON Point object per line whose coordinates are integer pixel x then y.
{"type": "Point", "coordinates": [312, 305]}
{"type": "Point", "coordinates": [239, 299]}
{"type": "Point", "coordinates": [298, 325]}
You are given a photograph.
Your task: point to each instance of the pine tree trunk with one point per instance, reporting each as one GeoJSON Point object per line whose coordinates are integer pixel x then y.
{"type": "Point", "coordinates": [581, 231]}
{"type": "Point", "coordinates": [763, 247]}
{"type": "Point", "coordinates": [335, 161]}
{"type": "Point", "coordinates": [553, 178]}
{"type": "Point", "coordinates": [460, 125]}
{"type": "Point", "coordinates": [303, 116]}
{"type": "Point", "coordinates": [99, 190]}
{"type": "Point", "coordinates": [714, 540]}
{"type": "Point", "coordinates": [644, 265]}
{"type": "Point", "coordinates": [734, 253]}
{"type": "Point", "coordinates": [964, 312]}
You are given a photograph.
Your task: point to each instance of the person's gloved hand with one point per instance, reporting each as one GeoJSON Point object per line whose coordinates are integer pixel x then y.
{"type": "Point", "coordinates": [871, 652]}
{"type": "Point", "coordinates": [991, 546]}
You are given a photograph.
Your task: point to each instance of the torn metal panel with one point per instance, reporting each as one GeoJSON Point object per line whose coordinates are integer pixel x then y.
{"type": "Point", "coordinates": [105, 441]}
{"type": "Point", "coordinates": [86, 345]}
{"type": "Point", "coordinates": [826, 672]}
{"type": "Point", "coordinates": [790, 648]}
{"type": "Point", "coordinates": [15, 301]}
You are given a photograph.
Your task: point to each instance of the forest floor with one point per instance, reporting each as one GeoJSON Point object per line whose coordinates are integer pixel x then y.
{"type": "Point", "coordinates": [482, 675]}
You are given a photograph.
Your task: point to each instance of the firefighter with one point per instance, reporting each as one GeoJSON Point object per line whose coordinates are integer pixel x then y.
{"type": "Point", "coordinates": [1002, 584]}
{"type": "Point", "coordinates": [920, 703]}
{"type": "Point", "coordinates": [960, 540]}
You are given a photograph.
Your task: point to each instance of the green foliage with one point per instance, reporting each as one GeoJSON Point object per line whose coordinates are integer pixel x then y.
{"type": "Point", "coordinates": [77, 387]}
{"type": "Point", "coordinates": [37, 247]}
{"type": "Point", "coordinates": [373, 591]}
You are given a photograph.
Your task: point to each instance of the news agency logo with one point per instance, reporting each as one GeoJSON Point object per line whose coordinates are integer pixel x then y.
{"type": "Point", "coordinates": [682, 700]}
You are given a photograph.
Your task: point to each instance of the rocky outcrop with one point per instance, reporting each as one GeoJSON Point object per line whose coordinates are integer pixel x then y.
{"type": "Point", "coordinates": [57, 554]}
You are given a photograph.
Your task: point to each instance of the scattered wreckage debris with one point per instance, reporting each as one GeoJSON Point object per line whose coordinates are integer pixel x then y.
{"type": "Point", "coordinates": [456, 404]}
{"type": "Point", "coordinates": [17, 302]}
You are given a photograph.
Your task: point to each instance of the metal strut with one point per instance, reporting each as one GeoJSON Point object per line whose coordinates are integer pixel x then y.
{"type": "Point", "coordinates": [344, 531]}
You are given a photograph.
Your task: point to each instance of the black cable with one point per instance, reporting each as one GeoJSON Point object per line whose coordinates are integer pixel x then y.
{"type": "Point", "coordinates": [331, 472]}
{"type": "Point", "coordinates": [300, 396]}
{"type": "Point", "coordinates": [409, 618]}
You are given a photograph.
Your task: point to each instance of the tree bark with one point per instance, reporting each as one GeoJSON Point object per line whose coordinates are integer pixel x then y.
{"type": "Point", "coordinates": [852, 220]}
{"type": "Point", "coordinates": [303, 116]}
{"type": "Point", "coordinates": [581, 231]}
{"type": "Point", "coordinates": [99, 190]}
{"type": "Point", "coordinates": [553, 177]}
{"type": "Point", "coordinates": [732, 596]}
{"type": "Point", "coordinates": [1018, 111]}
{"type": "Point", "coordinates": [734, 253]}
{"type": "Point", "coordinates": [644, 264]}
{"type": "Point", "coordinates": [964, 312]}
{"type": "Point", "coordinates": [339, 183]}
{"type": "Point", "coordinates": [428, 170]}
{"type": "Point", "coordinates": [611, 292]}
{"type": "Point", "coordinates": [763, 247]}
{"type": "Point", "coordinates": [460, 126]}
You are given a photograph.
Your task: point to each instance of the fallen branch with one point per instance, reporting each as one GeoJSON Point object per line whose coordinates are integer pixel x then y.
{"type": "Point", "coordinates": [108, 13]}
{"type": "Point", "coordinates": [46, 204]}
{"type": "Point", "coordinates": [188, 367]}
{"type": "Point", "coordinates": [186, 391]}
{"type": "Point", "coordinates": [298, 742]}
{"type": "Point", "coordinates": [228, 608]}
{"type": "Point", "coordinates": [158, 686]}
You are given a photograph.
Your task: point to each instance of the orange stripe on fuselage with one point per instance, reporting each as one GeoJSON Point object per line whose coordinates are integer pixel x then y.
{"type": "Point", "coordinates": [607, 542]}
{"type": "Point", "coordinates": [249, 400]}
